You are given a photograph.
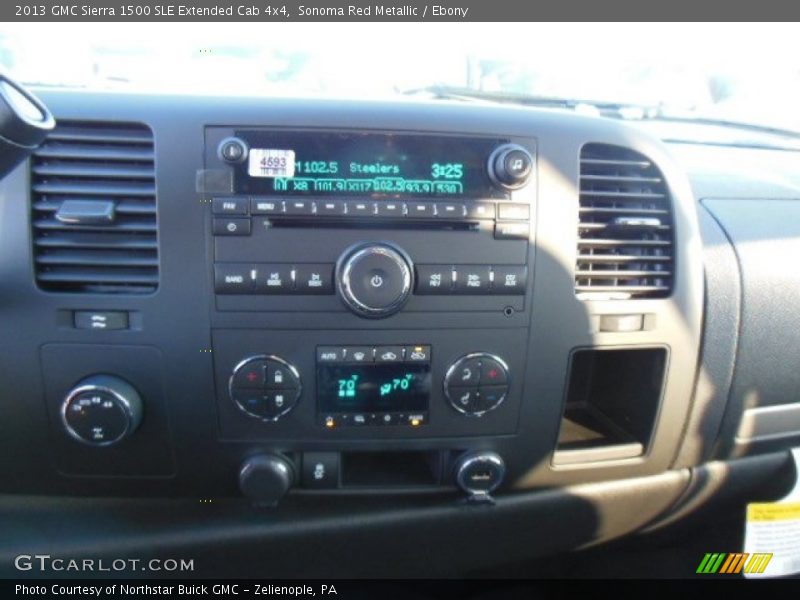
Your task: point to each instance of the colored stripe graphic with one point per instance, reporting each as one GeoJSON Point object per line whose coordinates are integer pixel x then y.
{"type": "Point", "coordinates": [724, 563]}
{"type": "Point", "coordinates": [711, 562]}
{"type": "Point", "coordinates": [758, 563]}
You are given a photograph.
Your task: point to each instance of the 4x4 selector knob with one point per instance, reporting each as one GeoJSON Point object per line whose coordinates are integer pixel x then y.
{"type": "Point", "coordinates": [374, 279]}
{"type": "Point", "coordinates": [101, 410]}
{"type": "Point", "coordinates": [510, 166]}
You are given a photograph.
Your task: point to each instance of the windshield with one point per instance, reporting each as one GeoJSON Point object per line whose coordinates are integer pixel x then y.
{"type": "Point", "coordinates": [748, 73]}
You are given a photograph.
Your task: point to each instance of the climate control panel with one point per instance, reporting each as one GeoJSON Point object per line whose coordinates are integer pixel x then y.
{"type": "Point", "coordinates": [340, 385]}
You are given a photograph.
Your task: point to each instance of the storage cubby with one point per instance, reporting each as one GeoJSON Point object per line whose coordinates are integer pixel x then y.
{"type": "Point", "coordinates": [612, 402]}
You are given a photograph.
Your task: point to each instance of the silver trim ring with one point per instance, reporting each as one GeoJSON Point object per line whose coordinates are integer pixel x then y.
{"type": "Point", "coordinates": [122, 400]}
{"type": "Point", "coordinates": [266, 357]}
{"type": "Point", "coordinates": [346, 290]}
{"type": "Point", "coordinates": [455, 366]}
{"type": "Point", "coordinates": [482, 457]}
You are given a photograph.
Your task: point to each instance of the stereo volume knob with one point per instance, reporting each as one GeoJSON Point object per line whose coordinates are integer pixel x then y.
{"type": "Point", "coordinates": [374, 280]}
{"type": "Point", "coordinates": [101, 410]}
{"type": "Point", "coordinates": [510, 166]}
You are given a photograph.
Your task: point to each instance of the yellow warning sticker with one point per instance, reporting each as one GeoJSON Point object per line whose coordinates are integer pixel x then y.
{"type": "Point", "coordinates": [771, 511]}
{"type": "Point", "coordinates": [772, 531]}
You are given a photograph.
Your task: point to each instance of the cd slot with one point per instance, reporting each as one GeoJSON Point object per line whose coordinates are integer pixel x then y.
{"type": "Point", "coordinates": [371, 223]}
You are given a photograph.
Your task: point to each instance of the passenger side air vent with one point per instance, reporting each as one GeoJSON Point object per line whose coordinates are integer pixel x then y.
{"type": "Point", "coordinates": [94, 209]}
{"type": "Point", "coordinates": [625, 236]}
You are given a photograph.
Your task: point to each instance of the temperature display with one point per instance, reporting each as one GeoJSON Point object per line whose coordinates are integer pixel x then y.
{"type": "Point", "coordinates": [374, 388]}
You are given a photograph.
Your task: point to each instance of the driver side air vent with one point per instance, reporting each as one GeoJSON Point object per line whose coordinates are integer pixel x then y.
{"type": "Point", "coordinates": [94, 209]}
{"type": "Point", "coordinates": [625, 236]}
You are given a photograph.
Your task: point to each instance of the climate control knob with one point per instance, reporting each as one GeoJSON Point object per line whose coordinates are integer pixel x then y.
{"type": "Point", "coordinates": [266, 478]}
{"type": "Point", "coordinates": [480, 473]}
{"type": "Point", "coordinates": [101, 410]}
{"type": "Point", "coordinates": [477, 383]}
{"type": "Point", "coordinates": [265, 387]}
{"type": "Point", "coordinates": [374, 280]}
{"type": "Point", "coordinates": [510, 166]}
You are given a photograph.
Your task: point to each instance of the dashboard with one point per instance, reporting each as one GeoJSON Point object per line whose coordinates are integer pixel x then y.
{"type": "Point", "coordinates": [465, 317]}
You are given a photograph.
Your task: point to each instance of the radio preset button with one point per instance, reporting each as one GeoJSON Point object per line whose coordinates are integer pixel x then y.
{"type": "Point", "coordinates": [314, 279]}
{"type": "Point", "coordinates": [434, 279]}
{"type": "Point", "coordinates": [390, 209]}
{"type": "Point", "coordinates": [360, 209]}
{"type": "Point", "coordinates": [331, 208]}
{"type": "Point", "coordinates": [231, 226]}
{"type": "Point", "coordinates": [299, 207]}
{"type": "Point", "coordinates": [229, 206]}
{"type": "Point", "coordinates": [481, 210]}
{"type": "Point", "coordinates": [260, 206]}
{"type": "Point", "coordinates": [450, 210]}
{"type": "Point", "coordinates": [421, 210]}
{"type": "Point", "coordinates": [471, 279]}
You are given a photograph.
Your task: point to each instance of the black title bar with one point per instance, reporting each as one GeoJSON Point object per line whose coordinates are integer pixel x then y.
{"type": "Point", "coordinates": [408, 10]}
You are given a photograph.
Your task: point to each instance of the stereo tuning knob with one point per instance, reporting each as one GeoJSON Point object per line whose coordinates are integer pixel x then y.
{"type": "Point", "coordinates": [101, 410]}
{"type": "Point", "coordinates": [510, 166]}
{"type": "Point", "coordinates": [374, 280]}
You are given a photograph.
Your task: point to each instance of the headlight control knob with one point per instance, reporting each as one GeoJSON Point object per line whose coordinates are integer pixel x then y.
{"type": "Point", "coordinates": [101, 410]}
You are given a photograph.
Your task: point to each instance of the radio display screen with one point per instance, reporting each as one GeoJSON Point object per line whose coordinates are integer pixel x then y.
{"type": "Point", "coordinates": [373, 388]}
{"type": "Point", "coordinates": [373, 165]}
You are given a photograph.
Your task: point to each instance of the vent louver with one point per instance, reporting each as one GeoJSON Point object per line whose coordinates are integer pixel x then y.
{"type": "Point", "coordinates": [94, 209]}
{"type": "Point", "coordinates": [625, 229]}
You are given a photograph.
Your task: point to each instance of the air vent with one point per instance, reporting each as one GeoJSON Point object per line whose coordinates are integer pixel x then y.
{"type": "Point", "coordinates": [625, 236]}
{"type": "Point", "coordinates": [94, 209]}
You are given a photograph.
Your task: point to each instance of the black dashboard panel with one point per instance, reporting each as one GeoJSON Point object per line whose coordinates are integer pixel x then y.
{"type": "Point", "coordinates": [252, 282]}
{"type": "Point", "coordinates": [571, 345]}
